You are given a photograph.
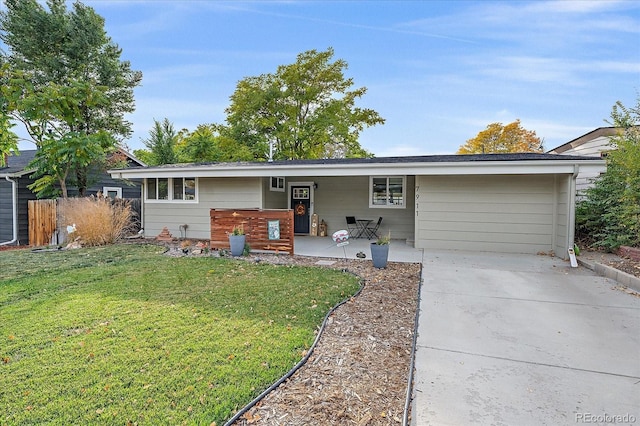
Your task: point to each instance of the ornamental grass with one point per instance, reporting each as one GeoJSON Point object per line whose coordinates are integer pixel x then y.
{"type": "Point", "coordinates": [96, 221]}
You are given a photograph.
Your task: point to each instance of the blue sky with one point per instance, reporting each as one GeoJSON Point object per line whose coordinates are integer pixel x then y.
{"type": "Point", "coordinates": [438, 72]}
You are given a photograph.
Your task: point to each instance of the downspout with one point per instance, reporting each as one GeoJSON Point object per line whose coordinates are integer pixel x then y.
{"type": "Point", "coordinates": [14, 205]}
{"type": "Point", "coordinates": [572, 208]}
{"type": "Point", "coordinates": [143, 191]}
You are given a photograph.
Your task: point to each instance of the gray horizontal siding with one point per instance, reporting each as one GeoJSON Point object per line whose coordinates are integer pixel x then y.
{"type": "Point", "coordinates": [227, 193]}
{"type": "Point", "coordinates": [130, 188]}
{"type": "Point", "coordinates": [338, 197]}
{"type": "Point", "coordinates": [6, 211]}
{"type": "Point", "coordinates": [493, 213]}
{"type": "Point", "coordinates": [592, 148]}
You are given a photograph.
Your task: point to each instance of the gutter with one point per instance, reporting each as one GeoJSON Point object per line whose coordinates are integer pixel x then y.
{"type": "Point", "coordinates": [14, 205]}
{"type": "Point", "coordinates": [435, 168]}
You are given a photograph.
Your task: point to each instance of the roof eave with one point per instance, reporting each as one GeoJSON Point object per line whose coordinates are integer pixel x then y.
{"type": "Point", "coordinates": [410, 168]}
{"type": "Point", "coordinates": [17, 174]}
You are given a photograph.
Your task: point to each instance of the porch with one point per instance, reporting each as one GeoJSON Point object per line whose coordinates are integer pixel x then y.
{"type": "Point", "coordinates": [333, 198]}
{"type": "Point", "coordinates": [399, 250]}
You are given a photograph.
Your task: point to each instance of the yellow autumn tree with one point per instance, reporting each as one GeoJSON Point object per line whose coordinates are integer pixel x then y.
{"type": "Point", "coordinates": [500, 139]}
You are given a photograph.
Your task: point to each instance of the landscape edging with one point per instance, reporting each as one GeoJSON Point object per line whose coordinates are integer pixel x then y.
{"type": "Point", "coordinates": [607, 271]}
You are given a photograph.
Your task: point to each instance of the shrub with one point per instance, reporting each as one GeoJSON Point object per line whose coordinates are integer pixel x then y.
{"type": "Point", "coordinates": [610, 215]}
{"type": "Point", "coordinates": [98, 220]}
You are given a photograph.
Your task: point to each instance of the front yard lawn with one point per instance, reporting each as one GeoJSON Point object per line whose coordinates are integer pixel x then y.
{"type": "Point", "coordinates": [125, 335]}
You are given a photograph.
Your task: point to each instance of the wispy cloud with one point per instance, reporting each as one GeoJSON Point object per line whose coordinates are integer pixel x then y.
{"type": "Point", "coordinates": [574, 6]}
{"type": "Point", "coordinates": [614, 66]}
{"type": "Point", "coordinates": [532, 69]}
{"type": "Point", "coordinates": [165, 75]}
{"type": "Point", "coordinates": [183, 113]}
{"type": "Point", "coordinates": [546, 23]}
{"type": "Point", "coordinates": [159, 17]}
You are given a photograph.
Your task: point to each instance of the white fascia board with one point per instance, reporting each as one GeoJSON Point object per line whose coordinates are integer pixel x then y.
{"type": "Point", "coordinates": [513, 167]}
{"type": "Point", "coordinates": [366, 169]}
{"type": "Point", "coordinates": [17, 174]}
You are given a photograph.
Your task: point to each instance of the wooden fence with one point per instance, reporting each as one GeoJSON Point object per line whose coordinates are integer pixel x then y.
{"type": "Point", "coordinates": [44, 228]}
{"type": "Point", "coordinates": [264, 229]}
{"type": "Point", "coordinates": [42, 222]}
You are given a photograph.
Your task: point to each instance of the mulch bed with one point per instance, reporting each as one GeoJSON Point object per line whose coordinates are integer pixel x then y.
{"type": "Point", "coordinates": [358, 373]}
{"type": "Point", "coordinates": [626, 264]}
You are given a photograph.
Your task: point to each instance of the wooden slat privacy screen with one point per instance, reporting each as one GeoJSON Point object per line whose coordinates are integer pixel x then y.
{"type": "Point", "coordinates": [255, 224]}
{"type": "Point", "coordinates": [42, 221]}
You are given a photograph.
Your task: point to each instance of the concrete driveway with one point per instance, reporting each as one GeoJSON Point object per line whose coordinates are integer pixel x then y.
{"type": "Point", "coordinates": [524, 340]}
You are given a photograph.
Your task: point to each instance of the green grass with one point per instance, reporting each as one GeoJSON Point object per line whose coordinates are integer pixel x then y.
{"type": "Point", "coordinates": [121, 334]}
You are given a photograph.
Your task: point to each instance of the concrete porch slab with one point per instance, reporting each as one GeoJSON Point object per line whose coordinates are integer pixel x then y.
{"type": "Point", "coordinates": [399, 250]}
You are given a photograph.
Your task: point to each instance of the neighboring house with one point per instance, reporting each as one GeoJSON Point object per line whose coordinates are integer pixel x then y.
{"type": "Point", "coordinates": [15, 196]}
{"type": "Point", "coordinates": [521, 203]}
{"type": "Point", "coordinates": [593, 144]}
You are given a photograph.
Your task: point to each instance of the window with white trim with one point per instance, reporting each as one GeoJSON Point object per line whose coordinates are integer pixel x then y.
{"type": "Point", "coordinates": [112, 191]}
{"type": "Point", "coordinates": [387, 191]}
{"type": "Point", "coordinates": [276, 183]}
{"type": "Point", "coordinates": [184, 189]}
{"type": "Point", "coordinates": [172, 189]}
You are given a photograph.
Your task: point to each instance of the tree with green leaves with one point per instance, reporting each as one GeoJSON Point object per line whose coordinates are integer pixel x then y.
{"type": "Point", "coordinates": [609, 216]}
{"type": "Point", "coordinates": [209, 143]}
{"type": "Point", "coordinates": [74, 150]}
{"type": "Point", "coordinates": [66, 83]}
{"type": "Point", "coordinates": [8, 139]}
{"type": "Point", "coordinates": [498, 138]}
{"type": "Point", "coordinates": [306, 109]}
{"type": "Point", "coordinates": [160, 144]}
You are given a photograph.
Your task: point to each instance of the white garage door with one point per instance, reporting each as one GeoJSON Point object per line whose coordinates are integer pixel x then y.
{"type": "Point", "coordinates": [506, 213]}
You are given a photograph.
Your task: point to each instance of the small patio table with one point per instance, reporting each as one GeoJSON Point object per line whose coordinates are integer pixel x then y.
{"type": "Point", "coordinates": [363, 224]}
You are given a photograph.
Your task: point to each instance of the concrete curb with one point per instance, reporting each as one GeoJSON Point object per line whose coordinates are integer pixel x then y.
{"type": "Point", "coordinates": [607, 271]}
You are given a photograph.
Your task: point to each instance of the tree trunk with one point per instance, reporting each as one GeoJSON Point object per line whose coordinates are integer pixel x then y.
{"type": "Point", "coordinates": [81, 177]}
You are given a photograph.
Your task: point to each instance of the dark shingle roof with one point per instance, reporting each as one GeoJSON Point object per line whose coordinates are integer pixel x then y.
{"type": "Point", "coordinates": [454, 158]}
{"type": "Point", "coordinates": [18, 163]}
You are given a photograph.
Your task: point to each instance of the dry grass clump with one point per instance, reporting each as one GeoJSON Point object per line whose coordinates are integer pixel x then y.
{"type": "Point", "coordinates": [97, 220]}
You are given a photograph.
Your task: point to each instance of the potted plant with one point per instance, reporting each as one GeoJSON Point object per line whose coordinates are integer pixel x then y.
{"type": "Point", "coordinates": [237, 240]}
{"type": "Point", "coordinates": [380, 251]}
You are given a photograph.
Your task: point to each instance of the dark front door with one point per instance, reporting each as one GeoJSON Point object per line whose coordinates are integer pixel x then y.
{"type": "Point", "coordinates": [301, 204]}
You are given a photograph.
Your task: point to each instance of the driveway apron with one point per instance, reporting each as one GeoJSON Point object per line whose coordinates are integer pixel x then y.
{"type": "Point", "coordinates": [524, 340]}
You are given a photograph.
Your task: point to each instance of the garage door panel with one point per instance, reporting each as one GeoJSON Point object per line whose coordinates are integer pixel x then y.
{"type": "Point", "coordinates": [484, 217]}
{"type": "Point", "coordinates": [540, 183]}
{"type": "Point", "coordinates": [484, 237]}
{"type": "Point", "coordinates": [498, 228]}
{"type": "Point", "coordinates": [495, 213]}
{"type": "Point", "coordinates": [500, 247]}
{"type": "Point", "coordinates": [485, 197]}
{"type": "Point", "coordinates": [504, 207]}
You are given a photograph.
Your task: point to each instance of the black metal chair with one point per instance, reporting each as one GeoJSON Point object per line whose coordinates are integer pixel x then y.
{"type": "Point", "coordinates": [352, 226]}
{"type": "Point", "coordinates": [372, 231]}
